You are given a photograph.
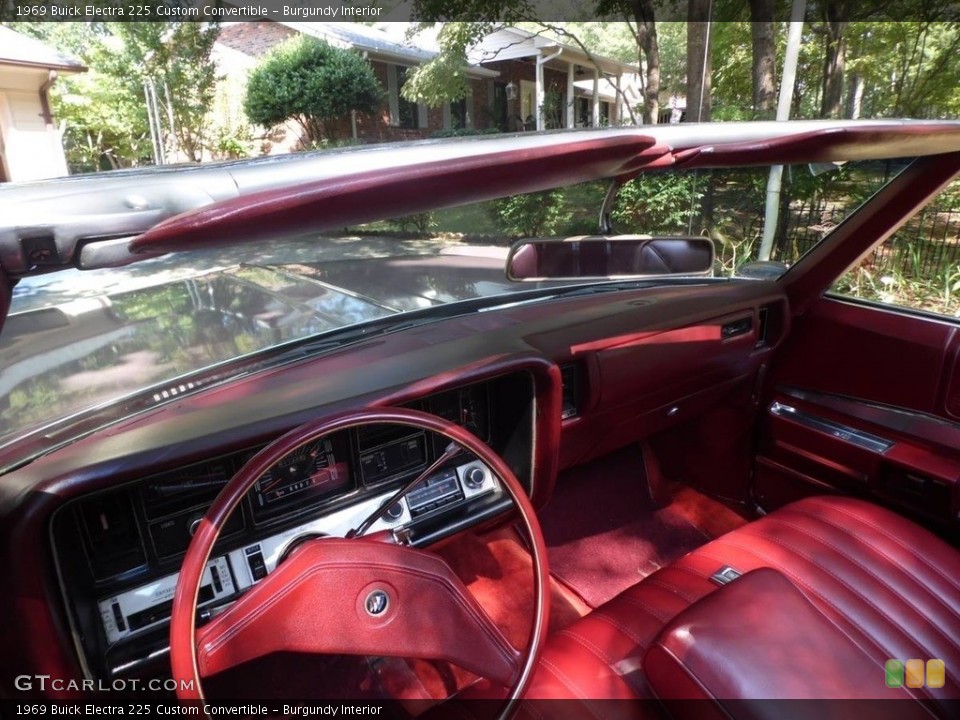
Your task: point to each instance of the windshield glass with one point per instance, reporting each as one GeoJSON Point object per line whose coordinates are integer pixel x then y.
{"type": "Point", "coordinates": [76, 340]}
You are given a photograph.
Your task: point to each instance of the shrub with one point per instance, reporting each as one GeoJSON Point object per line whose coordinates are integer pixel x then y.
{"type": "Point", "coordinates": [313, 83]}
{"type": "Point", "coordinates": [657, 203]}
{"type": "Point", "coordinates": [423, 223]}
{"type": "Point", "coordinates": [531, 215]}
{"type": "Point", "coordinates": [463, 132]}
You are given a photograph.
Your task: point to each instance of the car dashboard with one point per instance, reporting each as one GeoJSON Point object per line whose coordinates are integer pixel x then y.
{"type": "Point", "coordinates": [118, 552]}
{"type": "Point", "coordinates": [93, 534]}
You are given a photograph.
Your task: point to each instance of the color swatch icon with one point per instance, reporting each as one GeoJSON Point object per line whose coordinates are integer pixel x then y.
{"type": "Point", "coordinates": [893, 669]}
{"type": "Point", "coordinates": [936, 674]}
{"type": "Point", "coordinates": [914, 673]}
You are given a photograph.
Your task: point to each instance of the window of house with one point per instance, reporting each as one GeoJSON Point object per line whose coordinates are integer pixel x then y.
{"type": "Point", "coordinates": [604, 114]}
{"type": "Point", "coordinates": [584, 116]}
{"type": "Point", "coordinates": [458, 114]}
{"type": "Point", "coordinates": [499, 113]}
{"type": "Point", "coordinates": [408, 114]}
{"type": "Point", "coordinates": [918, 267]}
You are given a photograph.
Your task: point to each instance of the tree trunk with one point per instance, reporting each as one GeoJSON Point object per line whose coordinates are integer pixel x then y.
{"type": "Point", "coordinates": [698, 61]}
{"type": "Point", "coordinates": [764, 59]}
{"type": "Point", "coordinates": [835, 50]}
{"type": "Point", "coordinates": [855, 98]}
{"type": "Point", "coordinates": [643, 14]}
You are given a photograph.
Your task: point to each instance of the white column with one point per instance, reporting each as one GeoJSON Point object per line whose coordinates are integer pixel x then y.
{"type": "Point", "coordinates": [571, 121]}
{"type": "Point", "coordinates": [617, 104]}
{"type": "Point", "coordinates": [538, 111]}
{"type": "Point", "coordinates": [596, 97]}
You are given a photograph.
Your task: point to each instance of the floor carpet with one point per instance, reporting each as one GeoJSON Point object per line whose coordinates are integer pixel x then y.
{"type": "Point", "coordinates": [604, 533]}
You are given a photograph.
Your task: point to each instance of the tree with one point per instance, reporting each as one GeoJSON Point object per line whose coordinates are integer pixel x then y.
{"type": "Point", "coordinates": [835, 22]}
{"type": "Point", "coordinates": [313, 83]}
{"type": "Point", "coordinates": [103, 111]}
{"type": "Point", "coordinates": [176, 58]}
{"type": "Point", "coordinates": [641, 16]}
{"type": "Point", "coordinates": [441, 78]}
{"type": "Point", "coordinates": [698, 61]}
{"type": "Point", "coordinates": [764, 46]}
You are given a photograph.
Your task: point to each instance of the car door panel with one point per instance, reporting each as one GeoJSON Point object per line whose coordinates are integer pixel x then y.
{"type": "Point", "coordinates": [857, 403]}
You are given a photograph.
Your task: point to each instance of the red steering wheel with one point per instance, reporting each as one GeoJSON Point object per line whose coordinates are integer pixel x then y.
{"type": "Point", "coordinates": [359, 596]}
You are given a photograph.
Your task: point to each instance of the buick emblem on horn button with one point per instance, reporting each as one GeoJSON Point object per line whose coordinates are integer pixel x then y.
{"type": "Point", "coordinates": [376, 603]}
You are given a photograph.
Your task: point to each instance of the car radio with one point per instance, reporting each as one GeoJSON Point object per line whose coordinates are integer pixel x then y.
{"type": "Point", "coordinates": [450, 486]}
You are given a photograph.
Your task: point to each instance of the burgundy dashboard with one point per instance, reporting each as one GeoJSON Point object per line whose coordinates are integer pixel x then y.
{"type": "Point", "coordinates": [93, 533]}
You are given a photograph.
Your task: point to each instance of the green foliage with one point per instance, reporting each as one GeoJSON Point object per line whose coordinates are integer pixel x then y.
{"type": "Point", "coordinates": [421, 223]}
{"type": "Point", "coordinates": [464, 132]}
{"type": "Point", "coordinates": [231, 145]}
{"type": "Point", "coordinates": [313, 83]}
{"type": "Point", "coordinates": [176, 56]}
{"type": "Point", "coordinates": [444, 78]}
{"type": "Point", "coordinates": [658, 203]}
{"type": "Point", "coordinates": [532, 215]}
{"type": "Point", "coordinates": [103, 111]}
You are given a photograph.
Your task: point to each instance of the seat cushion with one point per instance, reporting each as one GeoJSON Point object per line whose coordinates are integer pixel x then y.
{"type": "Point", "coordinates": [891, 587]}
{"type": "Point", "coordinates": [759, 637]}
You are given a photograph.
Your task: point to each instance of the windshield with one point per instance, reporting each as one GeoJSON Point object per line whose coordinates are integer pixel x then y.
{"type": "Point", "coordinates": [76, 340]}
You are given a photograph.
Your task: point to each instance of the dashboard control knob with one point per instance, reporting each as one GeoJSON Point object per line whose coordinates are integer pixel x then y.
{"type": "Point", "coordinates": [194, 525]}
{"type": "Point", "coordinates": [475, 477]}
{"type": "Point", "coordinates": [395, 512]}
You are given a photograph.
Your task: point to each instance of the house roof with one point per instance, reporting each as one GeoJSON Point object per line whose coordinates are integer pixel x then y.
{"type": "Point", "coordinates": [363, 37]}
{"type": "Point", "coordinates": [509, 43]}
{"type": "Point", "coordinates": [375, 42]}
{"type": "Point", "coordinates": [607, 89]}
{"type": "Point", "coordinates": [24, 51]}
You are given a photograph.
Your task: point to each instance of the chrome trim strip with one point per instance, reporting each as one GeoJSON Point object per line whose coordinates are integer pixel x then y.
{"type": "Point", "coordinates": [842, 432]}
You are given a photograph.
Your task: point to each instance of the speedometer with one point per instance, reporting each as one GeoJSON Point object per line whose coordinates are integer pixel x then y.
{"type": "Point", "coordinates": [308, 475]}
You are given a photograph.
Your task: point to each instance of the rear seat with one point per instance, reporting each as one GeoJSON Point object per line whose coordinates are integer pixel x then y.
{"type": "Point", "coordinates": [886, 587]}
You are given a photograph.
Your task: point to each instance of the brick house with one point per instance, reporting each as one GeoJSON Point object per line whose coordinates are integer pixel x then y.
{"type": "Point", "coordinates": [557, 85]}
{"type": "Point", "coordinates": [512, 74]}
{"type": "Point", "coordinates": [241, 46]}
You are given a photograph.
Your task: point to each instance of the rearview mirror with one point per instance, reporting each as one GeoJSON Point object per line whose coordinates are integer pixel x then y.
{"type": "Point", "coordinates": [590, 257]}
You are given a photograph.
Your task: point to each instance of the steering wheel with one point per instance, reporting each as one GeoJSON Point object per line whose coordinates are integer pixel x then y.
{"type": "Point", "coordinates": [356, 596]}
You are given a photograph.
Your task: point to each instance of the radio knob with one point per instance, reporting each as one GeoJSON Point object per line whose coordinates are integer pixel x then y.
{"type": "Point", "coordinates": [475, 477]}
{"type": "Point", "coordinates": [395, 511]}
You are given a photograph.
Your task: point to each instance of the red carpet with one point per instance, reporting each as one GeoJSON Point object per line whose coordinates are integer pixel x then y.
{"type": "Point", "coordinates": [604, 533]}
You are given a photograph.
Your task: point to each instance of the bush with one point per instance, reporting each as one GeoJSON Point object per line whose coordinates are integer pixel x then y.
{"type": "Point", "coordinates": [463, 132]}
{"type": "Point", "coordinates": [657, 203]}
{"type": "Point", "coordinates": [531, 215]}
{"type": "Point", "coordinates": [423, 223]}
{"type": "Point", "coordinates": [314, 83]}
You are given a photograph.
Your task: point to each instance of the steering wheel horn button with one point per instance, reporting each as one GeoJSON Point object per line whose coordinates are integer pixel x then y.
{"type": "Point", "coordinates": [376, 603]}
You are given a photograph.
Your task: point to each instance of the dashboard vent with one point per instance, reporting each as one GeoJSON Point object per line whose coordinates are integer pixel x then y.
{"type": "Point", "coordinates": [111, 535]}
{"type": "Point", "coordinates": [571, 395]}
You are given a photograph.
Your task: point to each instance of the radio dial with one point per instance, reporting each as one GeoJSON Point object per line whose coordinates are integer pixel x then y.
{"type": "Point", "coordinates": [475, 477]}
